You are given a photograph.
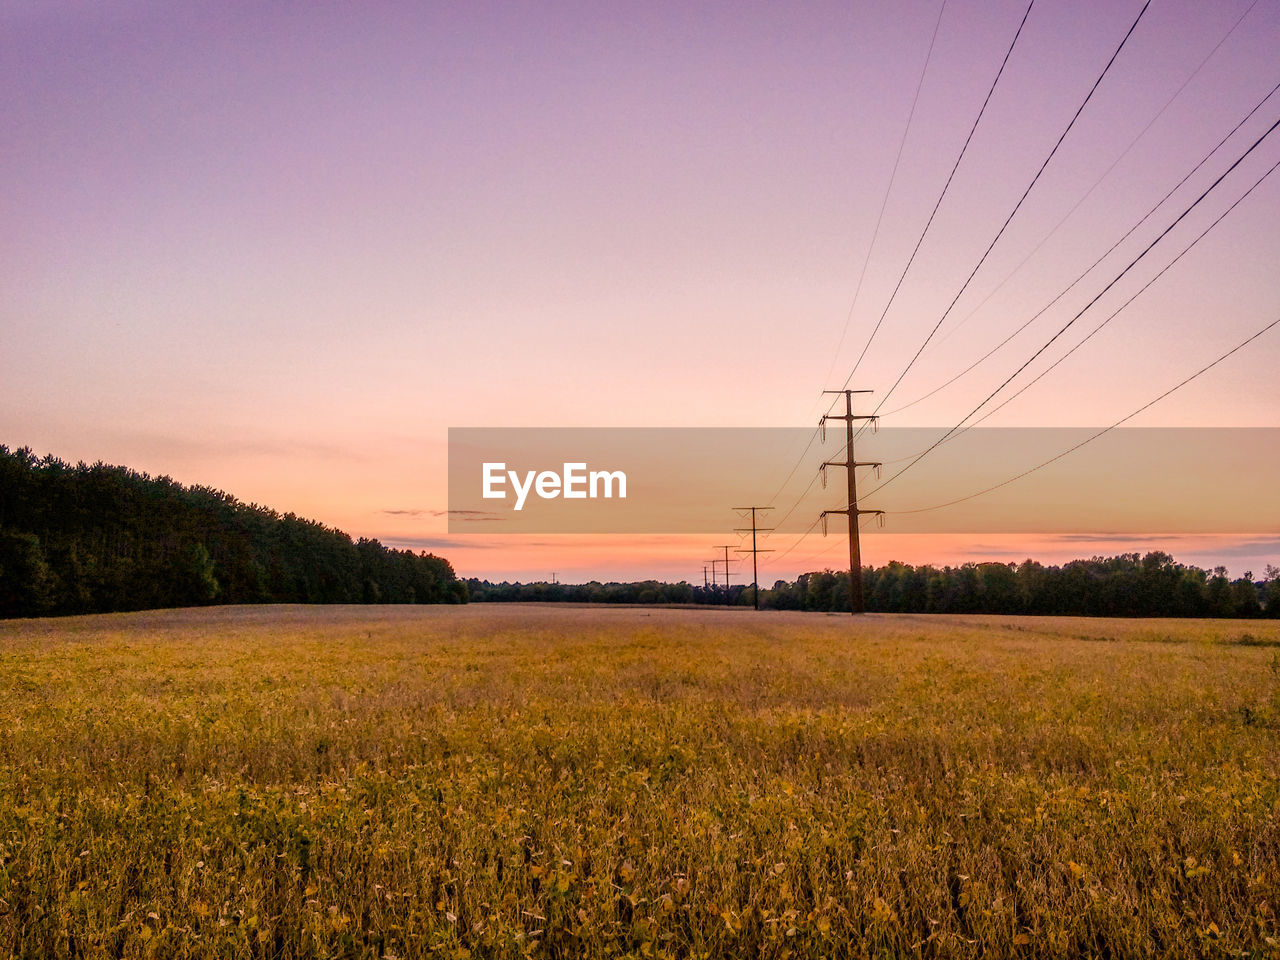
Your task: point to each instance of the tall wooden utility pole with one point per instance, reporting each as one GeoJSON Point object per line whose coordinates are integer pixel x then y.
{"type": "Point", "coordinates": [754, 551]}
{"type": "Point", "coordinates": [725, 561]}
{"type": "Point", "coordinates": [857, 602]}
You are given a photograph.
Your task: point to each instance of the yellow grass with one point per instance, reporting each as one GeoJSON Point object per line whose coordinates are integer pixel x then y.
{"type": "Point", "coordinates": [508, 781]}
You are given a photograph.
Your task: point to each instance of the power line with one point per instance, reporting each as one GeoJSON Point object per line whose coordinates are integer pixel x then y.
{"type": "Point", "coordinates": [726, 548]}
{"type": "Point", "coordinates": [800, 539]}
{"type": "Point", "coordinates": [857, 603]}
{"type": "Point", "coordinates": [1040, 466]}
{"type": "Point", "coordinates": [946, 186]}
{"type": "Point", "coordinates": [1017, 206]}
{"type": "Point", "coordinates": [1097, 183]}
{"type": "Point", "coordinates": [1194, 170]}
{"type": "Point", "coordinates": [1089, 336]}
{"type": "Point", "coordinates": [1026, 192]}
{"type": "Point", "coordinates": [884, 203]}
{"type": "Point", "coordinates": [1040, 376]}
{"type": "Point", "coordinates": [754, 551]}
{"type": "Point", "coordinates": [796, 466]}
{"type": "Point", "coordinates": [1082, 310]}
{"type": "Point", "coordinates": [1146, 406]}
{"type": "Point", "coordinates": [920, 240]}
{"type": "Point", "coordinates": [813, 526]}
{"type": "Point", "coordinates": [874, 234]}
{"type": "Point", "coordinates": [812, 480]}
{"type": "Point", "coordinates": [799, 500]}
{"type": "Point", "coordinates": [862, 525]}
{"type": "Point", "coordinates": [962, 429]}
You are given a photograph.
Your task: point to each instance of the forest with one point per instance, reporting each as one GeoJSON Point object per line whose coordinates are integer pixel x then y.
{"type": "Point", "coordinates": [1129, 585]}
{"type": "Point", "coordinates": [99, 538]}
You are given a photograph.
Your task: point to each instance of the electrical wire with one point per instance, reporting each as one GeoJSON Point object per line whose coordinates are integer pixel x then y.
{"type": "Point", "coordinates": [1105, 430]}
{"type": "Point", "coordinates": [1074, 283]}
{"type": "Point", "coordinates": [945, 187]}
{"type": "Point", "coordinates": [884, 203]}
{"type": "Point", "coordinates": [1106, 173]}
{"type": "Point", "coordinates": [920, 240]}
{"type": "Point", "coordinates": [1089, 336]}
{"type": "Point", "coordinates": [1083, 309]}
{"type": "Point", "coordinates": [1070, 450]}
{"type": "Point", "coordinates": [874, 236]}
{"type": "Point", "coordinates": [1030, 186]}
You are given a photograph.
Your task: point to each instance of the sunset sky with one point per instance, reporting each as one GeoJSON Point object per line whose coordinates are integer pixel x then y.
{"type": "Point", "coordinates": [280, 249]}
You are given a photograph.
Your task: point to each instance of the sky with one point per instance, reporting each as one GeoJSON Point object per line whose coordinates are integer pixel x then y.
{"type": "Point", "coordinates": [281, 249]}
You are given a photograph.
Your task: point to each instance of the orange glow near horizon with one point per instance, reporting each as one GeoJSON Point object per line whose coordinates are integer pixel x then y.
{"type": "Point", "coordinates": [580, 559]}
{"type": "Point", "coordinates": [287, 269]}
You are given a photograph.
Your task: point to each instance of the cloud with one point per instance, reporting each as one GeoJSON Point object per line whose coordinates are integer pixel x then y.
{"type": "Point", "coordinates": [436, 543]}
{"type": "Point", "coordinates": [467, 542]}
{"type": "Point", "coordinates": [264, 444]}
{"type": "Point", "coordinates": [1242, 548]}
{"type": "Point", "coordinates": [1200, 545]}
{"type": "Point", "coordinates": [997, 551]}
{"type": "Point", "coordinates": [1112, 538]}
{"type": "Point", "coordinates": [455, 514]}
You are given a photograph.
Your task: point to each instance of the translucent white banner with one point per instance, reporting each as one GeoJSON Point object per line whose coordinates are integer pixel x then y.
{"type": "Point", "coordinates": [687, 480]}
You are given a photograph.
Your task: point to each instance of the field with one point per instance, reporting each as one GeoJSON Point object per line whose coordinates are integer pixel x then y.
{"type": "Point", "coordinates": [508, 781]}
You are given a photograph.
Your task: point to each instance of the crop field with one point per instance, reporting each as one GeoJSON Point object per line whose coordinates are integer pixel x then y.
{"type": "Point", "coordinates": [507, 781]}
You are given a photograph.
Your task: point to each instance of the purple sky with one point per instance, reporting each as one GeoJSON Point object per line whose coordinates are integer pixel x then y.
{"type": "Point", "coordinates": [281, 248]}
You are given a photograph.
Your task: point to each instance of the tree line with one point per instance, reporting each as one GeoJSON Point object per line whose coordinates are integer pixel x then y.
{"type": "Point", "coordinates": [1128, 585]}
{"type": "Point", "coordinates": [641, 591]}
{"type": "Point", "coordinates": [99, 538]}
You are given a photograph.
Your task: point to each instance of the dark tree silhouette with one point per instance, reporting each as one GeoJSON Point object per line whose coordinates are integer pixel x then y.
{"type": "Point", "coordinates": [1129, 585]}
{"type": "Point", "coordinates": [88, 539]}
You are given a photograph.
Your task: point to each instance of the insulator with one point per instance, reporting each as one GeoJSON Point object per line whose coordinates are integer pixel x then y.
{"type": "Point", "coordinates": [824, 524]}
{"type": "Point", "coordinates": [823, 471]}
{"type": "Point", "coordinates": [822, 429]}
{"type": "Point", "coordinates": [880, 519]}
{"type": "Point", "coordinates": [877, 469]}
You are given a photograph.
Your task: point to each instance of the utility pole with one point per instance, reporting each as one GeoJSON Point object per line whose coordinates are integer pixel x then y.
{"type": "Point", "coordinates": [726, 548]}
{"type": "Point", "coordinates": [754, 551]}
{"type": "Point", "coordinates": [704, 576]}
{"type": "Point", "coordinates": [857, 602]}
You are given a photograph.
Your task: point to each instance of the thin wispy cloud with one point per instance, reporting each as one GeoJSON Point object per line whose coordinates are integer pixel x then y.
{"type": "Point", "coordinates": [1112, 538]}
{"type": "Point", "coordinates": [458, 514]}
{"type": "Point", "coordinates": [437, 543]}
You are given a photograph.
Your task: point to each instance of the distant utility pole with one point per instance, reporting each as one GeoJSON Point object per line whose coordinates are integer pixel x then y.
{"type": "Point", "coordinates": [857, 602]}
{"type": "Point", "coordinates": [754, 551]}
{"type": "Point", "coordinates": [726, 548]}
{"type": "Point", "coordinates": [553, 576]}
{"type": "Point", "coordinates": [704, 576]}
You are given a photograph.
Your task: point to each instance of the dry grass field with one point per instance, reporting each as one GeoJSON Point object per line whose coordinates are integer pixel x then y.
{"type": "Point", "coordinates": [533, 781]}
